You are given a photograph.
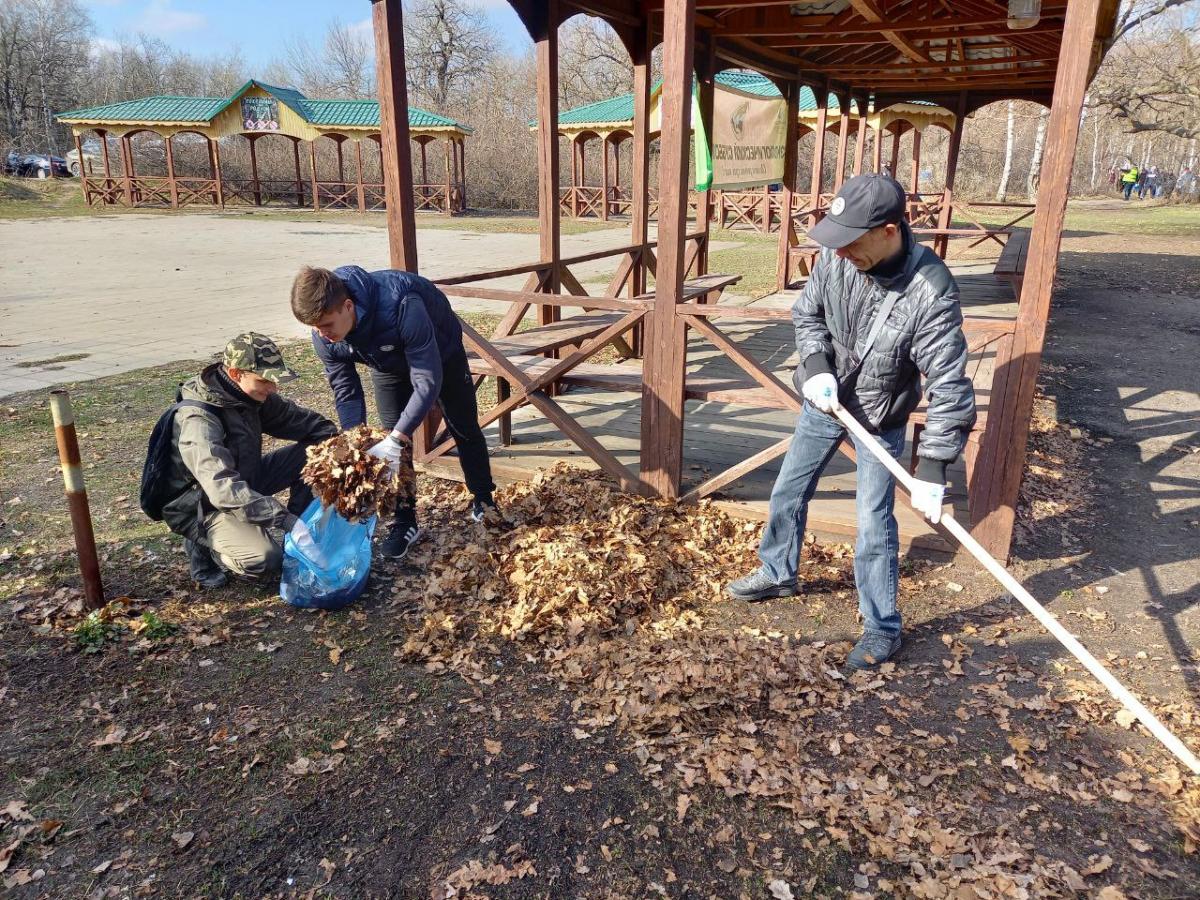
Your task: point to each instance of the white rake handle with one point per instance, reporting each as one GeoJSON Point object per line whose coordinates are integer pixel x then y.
{"type": "Point", "coordinates": [1051, 624]}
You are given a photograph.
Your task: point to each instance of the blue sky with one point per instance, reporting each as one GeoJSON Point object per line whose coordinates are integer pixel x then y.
{"type": "Point", "coordinates": [258, 28]}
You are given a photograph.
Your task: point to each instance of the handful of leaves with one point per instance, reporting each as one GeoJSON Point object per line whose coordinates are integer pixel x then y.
{"type": "Point", "coordinates": [358, 486]}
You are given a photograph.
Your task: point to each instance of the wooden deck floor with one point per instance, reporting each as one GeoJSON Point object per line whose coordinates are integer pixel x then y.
{"type": "Point", "coordinates": [719, 435]}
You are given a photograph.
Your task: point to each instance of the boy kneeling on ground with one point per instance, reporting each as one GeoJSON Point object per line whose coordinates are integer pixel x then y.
{"type": "Point", "coordinates": [220, 481]}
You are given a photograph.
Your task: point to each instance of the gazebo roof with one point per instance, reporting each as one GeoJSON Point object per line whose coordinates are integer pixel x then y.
{"type": "Point", "coordinates": [174, 110]}
{"type": "Point", "coordinates": [616, 113]}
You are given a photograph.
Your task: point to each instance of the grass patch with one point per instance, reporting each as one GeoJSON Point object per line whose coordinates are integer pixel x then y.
{"type": "Point", "coordinates": [753, 259]}
{"type": "Point", "coordinates": [51, 361]}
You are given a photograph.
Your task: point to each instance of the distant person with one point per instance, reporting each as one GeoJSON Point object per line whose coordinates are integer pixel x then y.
{"type": "Point", "coordinates": [1129, 180]}
{"type": "Point", "coordinates": [1143, 182]}
{"type": "Point", "coordinates": [403, 329]}
{"type": "Point", "coordinates": [877, 324]}
{"type": "Point", "coordinates": [219, 485]}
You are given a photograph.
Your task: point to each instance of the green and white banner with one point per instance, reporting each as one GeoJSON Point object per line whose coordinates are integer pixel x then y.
{"type": "Point", "coordinates": [749, 134]}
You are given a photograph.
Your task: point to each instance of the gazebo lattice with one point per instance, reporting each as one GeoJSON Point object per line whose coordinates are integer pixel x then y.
{"type": "Point", "coordinates": [256, 111]}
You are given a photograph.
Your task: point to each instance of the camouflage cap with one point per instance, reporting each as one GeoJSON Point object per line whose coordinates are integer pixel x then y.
{"type": "Point", "coordinates": [257, 353]}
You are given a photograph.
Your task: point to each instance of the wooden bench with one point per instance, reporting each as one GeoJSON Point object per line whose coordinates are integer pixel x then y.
{"type": "Point", "coordinates": [1011, 265]}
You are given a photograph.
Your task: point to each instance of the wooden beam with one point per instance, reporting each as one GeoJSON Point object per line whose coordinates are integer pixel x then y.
{"type": "Point", "coordinates": [826, 39]}
{"type": "Point", "coordinates": [869, 11]}
{"type": "Point", "coordinates": [839, 174]}
{"type": "Point", "coordinates": [860, 140]}
{"type": "Point", "coordinates": [639, 203]}
{"type": "Point", "coordinates": [388, 22]}
{"type": "Point", "coordinates": [1003, 452]}
{"type": "Point", "coordinates": [547, 117]}
{"type": "Point", "coordinates": [666, 332]}
{"type": "Point", "coordinates": [787, 227]}
{"type": "Point", "coordinates": [816, 184]}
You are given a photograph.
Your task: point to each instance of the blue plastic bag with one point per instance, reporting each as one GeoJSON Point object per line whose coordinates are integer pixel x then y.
{"type": "Point", "coordinates": [339, 574]}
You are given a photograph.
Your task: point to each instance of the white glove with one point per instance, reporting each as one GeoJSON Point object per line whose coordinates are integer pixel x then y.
{"type": "Point", "coordinates": [821, 391]}
{"type": "Point", "coordinates": [927, 497]}
{"type": "Point", "coordinates": [389, 449]}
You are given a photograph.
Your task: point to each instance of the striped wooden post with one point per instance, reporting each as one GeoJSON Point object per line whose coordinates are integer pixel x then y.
{"type": "Point", "coordinates": [77, 500]}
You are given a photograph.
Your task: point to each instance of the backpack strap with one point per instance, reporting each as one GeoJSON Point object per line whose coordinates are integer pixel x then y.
{"type": "Point", "coordinates": [890, 299]}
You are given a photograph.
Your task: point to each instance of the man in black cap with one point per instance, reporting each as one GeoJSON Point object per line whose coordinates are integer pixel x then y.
{"type": "Point", "coordinates": [878, 313]}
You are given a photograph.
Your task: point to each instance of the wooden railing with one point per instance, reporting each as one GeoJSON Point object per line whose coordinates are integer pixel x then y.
{"type": "Point", "coordinates": [161, 191]}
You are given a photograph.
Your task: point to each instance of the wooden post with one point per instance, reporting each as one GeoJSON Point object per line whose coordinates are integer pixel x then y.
{"type": "Point", "coordinates": [337, 142]}
{"type": "Point", "coordinates": [449, 210]}
{"type": "Point", "coordinates": [843, 141]}
{"type": "Point", "coordinates": [548, 170]}
{"type": "Point", "coordinates": [946, 213]}
{"type": "Point", "coordinates": [462, 171]}
{"type": "Point", "coordinates": [127, 167]}
{"type": "Point", "coordinates": [253, 139]}
{"type": "Point", "coordinates": [706, 97]}
{"type": "Point", "coordinates": [216, 150]}
{"type": "Point", "coordinates": [639, 199]}
{"type": "Point", "coordinates": [604, 178]}
{"type": "Point", "coordinates": [916, 161]}
{"type": "Point", "coordinates": [104, 153]}
{"type": "Point", "coordinates": [312, 166]}
{"type": "Point", "coordinates": [83, 169]}
{"type": "Point", "coordinates": [817, 184]}
{"type": "Point", "coordinates": [892, 169]}
{"type": "Point", "coordinates": [877, 150]}
{"type": "Point", "coordinates": [1002, 459]}
{"type": "Point", "coordinates": [395, 153]}
{"type": "Point", "coordinates": [860, 140]}
{"type": "Point", "coordinates": [422, 142]}
{"type": "Point", "coordinates": [666, 332]}
{"type": "Point", "coordinates": [358, 176]}
{"type": "Point", "coordinates": [787, 228]}
{"type": "Point", "coordinates": [174, 185]}
{"type": "Point", "coordinates": [299, 181]}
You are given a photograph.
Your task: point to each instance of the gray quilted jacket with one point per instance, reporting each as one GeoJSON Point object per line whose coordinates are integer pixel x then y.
{"type": "Point", "coordinates": [923, 336]}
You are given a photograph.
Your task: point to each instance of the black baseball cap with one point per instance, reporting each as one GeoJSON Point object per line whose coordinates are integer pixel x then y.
{"type": "Point", "coordinates": [863, 203]}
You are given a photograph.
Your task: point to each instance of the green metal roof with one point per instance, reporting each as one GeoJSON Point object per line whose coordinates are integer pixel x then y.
{"type": "Point", "coordinates": [619, 110]}
{"type": "Point", "coordinates": [163, 108]}
{"type": "Point", "coordinates": [322, 113]}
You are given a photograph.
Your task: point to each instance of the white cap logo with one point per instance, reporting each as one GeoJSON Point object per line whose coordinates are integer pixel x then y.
{"type": "Point", "coordinates": [839, 204]}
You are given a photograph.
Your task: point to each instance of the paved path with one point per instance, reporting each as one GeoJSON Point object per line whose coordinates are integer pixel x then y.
{"type": "Point", "coordinates": [127, 291]}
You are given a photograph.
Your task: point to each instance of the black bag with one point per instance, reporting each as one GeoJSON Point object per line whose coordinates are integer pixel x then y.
{"type": "Point", "coordinates": [154, 494]}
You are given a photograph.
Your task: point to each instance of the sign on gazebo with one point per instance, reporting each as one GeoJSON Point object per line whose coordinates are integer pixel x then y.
{"type": "Point", "coordinates": [260, 114]}
{"type": "Point", "coordinates": [749, 139]}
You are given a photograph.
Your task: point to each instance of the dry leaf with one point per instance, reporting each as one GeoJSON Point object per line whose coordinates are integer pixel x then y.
{"type": "Point", "coordinates": [182, 838]}
{"type": "Point", "coordinates": [780, 890]}
{"type": "Point", "coordinates": [682, 803]}
{"type": "Point", "coordinates": [113, 736]}
{"type": "Point", "coordinates": [358, 486]}
{"type": "Point", "coordinates": [492, 747]}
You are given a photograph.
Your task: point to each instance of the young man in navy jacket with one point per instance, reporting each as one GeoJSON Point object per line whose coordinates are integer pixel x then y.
{"type": "Point", "coordinates": [403, 329]}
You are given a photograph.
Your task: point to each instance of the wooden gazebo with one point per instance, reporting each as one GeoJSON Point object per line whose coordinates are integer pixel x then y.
{"type": "Point", "coordinates": [610, 122]}
{"type": "Point", "coordinates": [254, 112]}
{"type": "Point", "coordinates": [701, 402]}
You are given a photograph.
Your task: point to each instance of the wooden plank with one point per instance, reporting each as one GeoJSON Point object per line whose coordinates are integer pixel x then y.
{"type": "Point", "coordinates": [536, 299]}
{"type": "Point", "coordinates": [733, 473]}
{"type": "Point", "coordinates": [748, 364]}
{"type": "Point", "coordinates": [1003, 453]}
{"type": "Point", "coordinates": [839, 172]}
{"type": "Point", "coordinates": [388, 23]}
{"type": "Point", "coordinates": [787, 227]}
{"type": "Point", "coordinates": [547, 136]}
{"type": "Point", "coordinates": [639, 203]}
{"type": "Point", "coordinates": [666, 340]}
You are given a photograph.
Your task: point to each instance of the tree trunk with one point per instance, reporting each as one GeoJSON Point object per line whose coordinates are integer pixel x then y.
{"type": "Point", "coordinates": [1035, 161]}
{"type": "Point", "coordinates": [1095, 154]}
{"type": "Point", "coordinates": [1002, 190]}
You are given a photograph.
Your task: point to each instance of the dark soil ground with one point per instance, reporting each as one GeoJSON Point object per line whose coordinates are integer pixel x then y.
{"type": "Point", "coordinates": [227, 745]}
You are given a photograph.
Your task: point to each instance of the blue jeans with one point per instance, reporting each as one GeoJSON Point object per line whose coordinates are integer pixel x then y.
{"type": "Point", "coordinates": [877, 550]}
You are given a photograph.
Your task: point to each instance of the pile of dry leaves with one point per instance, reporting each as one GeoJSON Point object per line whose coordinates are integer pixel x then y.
{"type": "Point", "coordinates": [613, 591]}
{"type": "Point", "coordinates": [358, 486]}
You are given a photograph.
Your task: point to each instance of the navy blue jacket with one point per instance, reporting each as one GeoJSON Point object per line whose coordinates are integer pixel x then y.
{"type": "Point", "coordinates": [404, 326]}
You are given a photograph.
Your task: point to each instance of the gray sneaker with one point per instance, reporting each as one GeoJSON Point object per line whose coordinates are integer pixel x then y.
{"type": "Point", "coordinates": [872, 650]}
{"type": "Point", "coordinates": [758, 585]}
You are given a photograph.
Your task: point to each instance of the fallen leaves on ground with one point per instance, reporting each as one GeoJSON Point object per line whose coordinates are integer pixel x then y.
{"type": "Point", "coordinates": [610, 591]}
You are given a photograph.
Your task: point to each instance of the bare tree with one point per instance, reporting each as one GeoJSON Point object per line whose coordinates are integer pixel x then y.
{"type": "Point", "coordinates": [1035, 161]}
{"type": "Point", "coordinates": [42, 46]}
{"type": "Point", "coordinates": [593, 64]}
{"type": "Point", "coordinates": [447, 47]}
{"type": "Point", "coordinates": [1010, 133]}
{"type": "Point", "coordinates": [340, 66]}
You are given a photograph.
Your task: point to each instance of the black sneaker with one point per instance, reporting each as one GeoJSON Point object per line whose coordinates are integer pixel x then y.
{"type": "Point", "coordinates": [400, 540]}
{"type": "Point", "coordinates": [480, 507]}
{"type": "Point", "coordinates": [204, 569]}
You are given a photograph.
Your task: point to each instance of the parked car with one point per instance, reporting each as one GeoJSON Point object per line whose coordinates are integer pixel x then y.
{"type": "Point", "coordinates": [92, 161]}
{"type": "Point", "coordinates": [35, 165]}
